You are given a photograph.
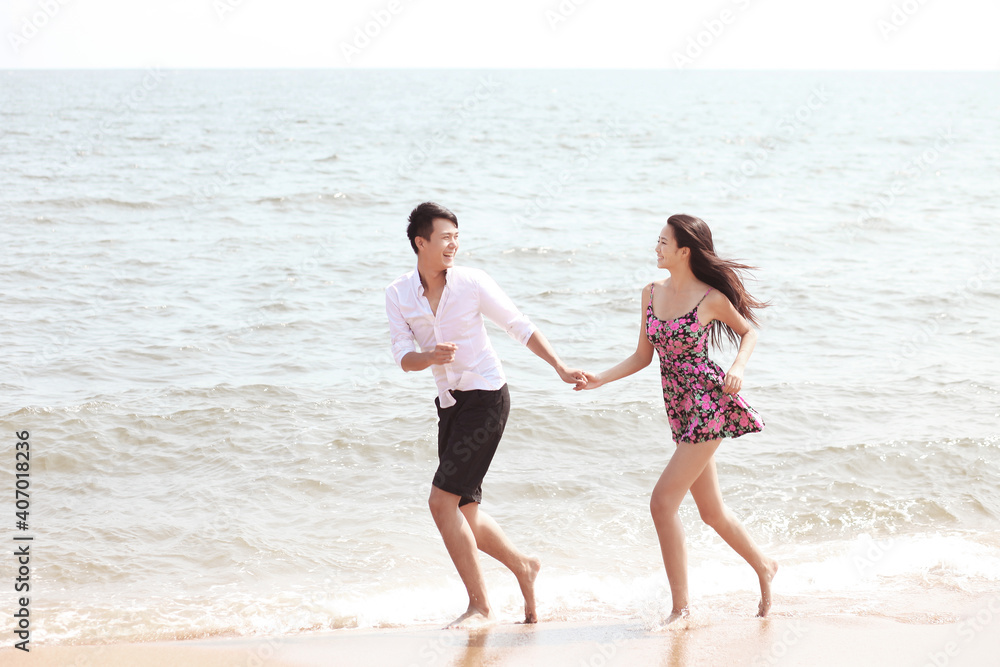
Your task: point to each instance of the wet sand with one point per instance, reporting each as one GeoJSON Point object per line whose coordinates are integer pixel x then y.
{"type": "Point", "coordinates": [781, 640]}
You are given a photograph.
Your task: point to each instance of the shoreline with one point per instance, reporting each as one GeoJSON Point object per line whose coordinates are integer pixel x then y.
{"type": "Point", "coordinates": [777, 640]}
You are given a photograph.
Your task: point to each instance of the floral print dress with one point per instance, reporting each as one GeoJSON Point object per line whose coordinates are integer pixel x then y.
{"type": "Point", "coordinates": [692, 383]}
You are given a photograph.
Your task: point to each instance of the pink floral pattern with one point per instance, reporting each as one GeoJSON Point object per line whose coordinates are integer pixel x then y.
{"type": "Point", "coordinates": [697, 408]}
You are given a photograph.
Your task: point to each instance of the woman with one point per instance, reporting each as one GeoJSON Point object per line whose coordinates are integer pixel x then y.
{"type": "Point", "coordinates": [703, 404]}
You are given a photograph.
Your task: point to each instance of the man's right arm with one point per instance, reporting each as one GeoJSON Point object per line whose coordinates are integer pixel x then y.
{"type": "Point", "coordinates": [403, 341]}
{"type": "Point", "coordinates": [443, 353]}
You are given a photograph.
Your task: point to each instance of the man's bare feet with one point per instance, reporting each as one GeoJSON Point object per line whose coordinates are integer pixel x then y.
{"type": "Point", "coordinates": [770, 569]}
{"type": "Point", "coordinates": [527, 582]}
{"type": "Point", "coordinates": [473, 618]}
{"type": "Point", "coordinates": [677, 614]}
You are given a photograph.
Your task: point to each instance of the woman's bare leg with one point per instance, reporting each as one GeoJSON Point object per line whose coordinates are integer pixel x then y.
{"type": "Point", "coordinates": [714, 512]}
{"type": "Point", "coordinates": [684, 467]}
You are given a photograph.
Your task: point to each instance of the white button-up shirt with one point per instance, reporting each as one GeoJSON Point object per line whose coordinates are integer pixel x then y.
{"type": "Point", "coordinates": [468, 295]}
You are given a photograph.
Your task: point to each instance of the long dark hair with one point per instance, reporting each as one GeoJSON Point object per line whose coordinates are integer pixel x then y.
{"type": "Point", "coordinates": [714, 271]}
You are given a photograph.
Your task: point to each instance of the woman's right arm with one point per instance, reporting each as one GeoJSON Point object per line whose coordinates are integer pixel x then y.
{"type": "Point", "coordinates": [639, 359]}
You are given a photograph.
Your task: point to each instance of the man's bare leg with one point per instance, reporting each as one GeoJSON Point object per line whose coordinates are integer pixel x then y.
{"type": "Point", "coordinates": [461, 544]}
{"type": "Point", "coordinates": [492, 541]}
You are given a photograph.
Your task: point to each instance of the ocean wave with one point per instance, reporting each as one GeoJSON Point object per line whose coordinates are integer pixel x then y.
{"type": "Point", "coordinates": [87, 202]}
{"type": "Point", "coordinates": [539, 250]}
{"type": "Point", "coordinates": [301, 198]}
{"type": "Point", "coordinates": [928, 578]}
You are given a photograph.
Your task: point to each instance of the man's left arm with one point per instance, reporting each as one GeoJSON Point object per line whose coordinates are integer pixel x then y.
{"type": "Point", "coordinates": [499, 308]}
{"type": "Point", "coordinates": [539, 344]}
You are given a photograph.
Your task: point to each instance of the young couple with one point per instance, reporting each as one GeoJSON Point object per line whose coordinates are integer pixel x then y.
{"type": "Point", "coordinates": [440, 308]}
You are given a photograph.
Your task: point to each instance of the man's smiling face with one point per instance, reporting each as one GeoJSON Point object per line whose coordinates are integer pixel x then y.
{"type": "Point", "coordinates": [439, 252]}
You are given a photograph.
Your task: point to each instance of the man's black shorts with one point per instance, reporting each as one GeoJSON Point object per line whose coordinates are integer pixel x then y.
{"type": "Point", "coordinates": [468, 435]}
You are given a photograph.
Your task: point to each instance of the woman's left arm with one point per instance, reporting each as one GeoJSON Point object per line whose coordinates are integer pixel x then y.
{"type": "Point", "coordinates": [720, 308]}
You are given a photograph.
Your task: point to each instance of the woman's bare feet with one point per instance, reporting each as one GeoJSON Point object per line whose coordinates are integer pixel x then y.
{"type": "Point", "coordinates": [527, 582]}
{"type": "Point", "coordinates": [770, 569]}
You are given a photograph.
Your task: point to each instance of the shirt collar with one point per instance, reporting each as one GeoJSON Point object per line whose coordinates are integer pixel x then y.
{"type": "Point", "coordinates": [418, 286]}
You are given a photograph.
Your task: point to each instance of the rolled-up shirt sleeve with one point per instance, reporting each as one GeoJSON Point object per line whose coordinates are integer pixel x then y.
{"type": "Point", "coordinates": [401, 336]}
{"type": "Point", "coordinates": [499, 309]}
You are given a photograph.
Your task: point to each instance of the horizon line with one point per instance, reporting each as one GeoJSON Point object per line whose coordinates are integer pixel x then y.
{"type": "Point", "coordinates": [485, 68]}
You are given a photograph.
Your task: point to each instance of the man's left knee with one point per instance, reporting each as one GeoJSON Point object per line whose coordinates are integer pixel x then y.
{"type": "Point", "coordinates": [441, 501]}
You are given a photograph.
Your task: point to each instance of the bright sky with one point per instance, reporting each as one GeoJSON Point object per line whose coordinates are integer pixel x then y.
{"type": "Point", "coordinates": [720, 34]}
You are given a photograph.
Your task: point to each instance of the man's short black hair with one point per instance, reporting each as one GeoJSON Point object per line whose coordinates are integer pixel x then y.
{"type": "Point", "coordinates": [422, 221]}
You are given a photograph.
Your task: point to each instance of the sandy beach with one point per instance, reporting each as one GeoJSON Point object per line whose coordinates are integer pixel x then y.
{"type": "Point", "coordinates": [782, 640]}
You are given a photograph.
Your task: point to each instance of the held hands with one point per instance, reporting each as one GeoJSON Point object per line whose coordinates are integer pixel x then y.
{"type": "Point", "coordinates": [592, 381]}
{"type": "Point", "coordinates": [572, 376]}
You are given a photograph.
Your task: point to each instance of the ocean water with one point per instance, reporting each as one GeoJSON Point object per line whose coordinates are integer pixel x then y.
{"type": "Point", "coordinates": [194, 336]}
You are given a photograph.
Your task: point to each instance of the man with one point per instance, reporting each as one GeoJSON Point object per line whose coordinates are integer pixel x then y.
{"type": "Point", "coordinates": [440, 307]}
